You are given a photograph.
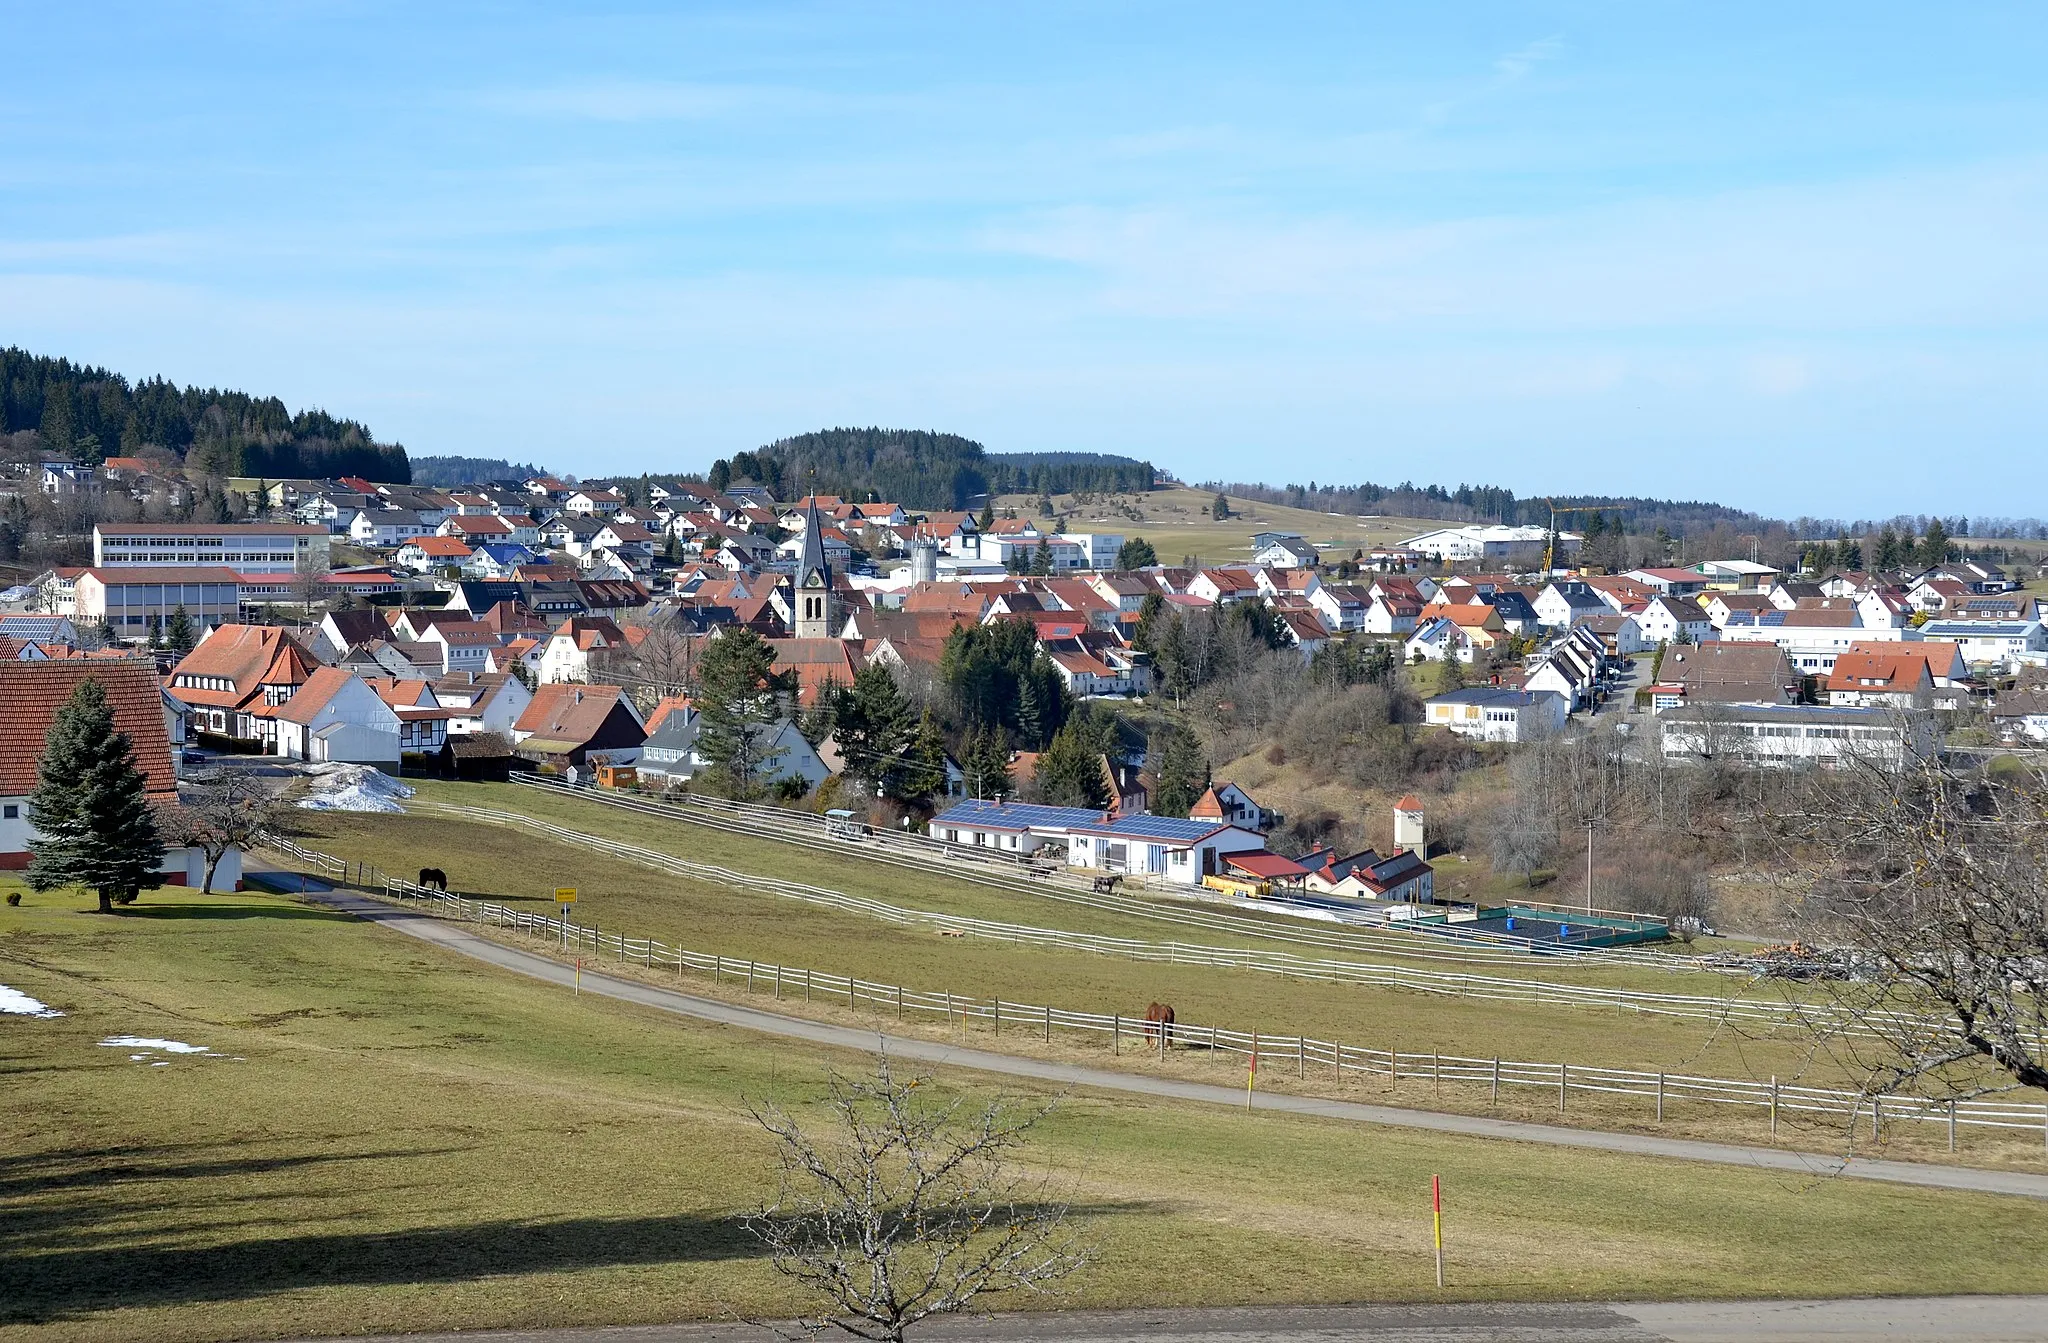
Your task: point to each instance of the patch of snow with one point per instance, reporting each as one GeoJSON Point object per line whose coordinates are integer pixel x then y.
{"type": "Point", "coordinates": [353, 788]}
{"type": "Point", "coordinates": [153, 1046]}
{"type": "Point", "coordinates": [15, 1003]}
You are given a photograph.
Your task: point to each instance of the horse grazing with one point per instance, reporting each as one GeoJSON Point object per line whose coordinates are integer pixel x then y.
{"type": "Point", "coordinates": [1159, 1022]}
{"type": "Point", "coordinates": [434, 876]}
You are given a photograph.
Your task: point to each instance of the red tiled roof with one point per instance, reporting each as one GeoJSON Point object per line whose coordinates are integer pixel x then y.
{"type": "Point", "coordinates": [249, 657]}
{"type": "Point", "coordinates": [34, 691]}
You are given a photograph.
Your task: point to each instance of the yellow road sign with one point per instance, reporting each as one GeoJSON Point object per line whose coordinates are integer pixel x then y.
{"type": "Point", "coordinates": [565, 895]}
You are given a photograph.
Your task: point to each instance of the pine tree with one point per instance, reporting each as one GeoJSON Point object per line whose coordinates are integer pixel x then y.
{"type": "Point", "coordinates": [1183, 774]}
{"type": "Point", "coordinates": [93, 822]}
{"type": "Point", "coordinates": [1934, 545]}
{"type": "Point", "coordinates": [739, 697]}
{"type": "Point", "coordinates": [1136, 553]}
{"type": "Point", "coordinates": [992, 764]}
{"type": "Point", "coordinates": [1030, 713]}
{"type": "Point", "coordinates": [1220, 509]}
{"type": "Point", "coordinates": [873, 728]}
{"type": "Point", "coordinates": [925, 767]}
{"type": "Point", "coordinates": [987, 519]}
{"type": "Point", "coordinates": [156, 630]}
{"type": "Point", "coordinates": [1041, 558]}
{"type": "Point", "coordinates": [1070, 773]}
{"type": "Point", "coordinates": [178, 632]}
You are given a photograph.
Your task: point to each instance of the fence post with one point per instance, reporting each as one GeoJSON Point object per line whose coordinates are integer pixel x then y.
{"type": "Point", "coordinates": [1496, 1079]}
{"type": "Point", "coordinates": [1564, 1071]}
{"type": "Point", "coordinates": [1436, 1073]}
{"type": "Point", "coordinates": [1660, 1098]}
{"type": "Point", "coordinates": [1300, 1058]}
{"type": "Point", "coordinates": [717, 967]}
{"type": "Point", "coordinates": [899, 1002]}
{"type": "Point", "coordinates": [999, 1018]}
{"type": "Point", "coordinates": [750, 976]}
{"type": "Point", "coordinates": [807, 984]}
{"type": "Point", "coordinates": [1116, 1029]}
{"type": "Point", "coordinates": [1048, 1023]}
{"type": "Point", "coordinates": [851, 984]}
{"type": "Point", "coordinates": [1951, 1123]}
{"type": "Point", "coordinates": [1337, 1062]}
{"type": "Point", "coordinates": [1774, 1105]}
{"type": "Point", "coordinates": [1877, 1119]}
{"type": "Point", "coordinates": [1394, 1069]}
{"type": "Point", "coordinates": [778, 983]}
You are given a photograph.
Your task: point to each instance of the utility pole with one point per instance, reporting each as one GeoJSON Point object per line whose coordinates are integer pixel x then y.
{"type": "Point", "coordinates": [1589, 867]}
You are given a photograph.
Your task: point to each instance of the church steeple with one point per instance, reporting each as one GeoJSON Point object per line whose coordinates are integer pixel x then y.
{"type": "Point", "coordinates": [811, 585]}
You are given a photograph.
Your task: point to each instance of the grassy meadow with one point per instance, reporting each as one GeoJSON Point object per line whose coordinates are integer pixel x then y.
{"type": "Point", "coordinates": [520, 867]}
{"type": "Point", "coordinates": [385, 1137]}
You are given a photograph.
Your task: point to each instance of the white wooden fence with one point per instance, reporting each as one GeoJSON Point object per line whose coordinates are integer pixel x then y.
{"type": "Point", "coordinates": [1277, 1054]}
{"type": "Point", "coordinates": [1757, 1012]}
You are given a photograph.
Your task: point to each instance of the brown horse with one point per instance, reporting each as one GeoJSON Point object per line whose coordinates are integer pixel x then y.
{"type": "Point", "coordinates": [1159, 1021]}
{"type": "Point", "coordinates": [433, 876]}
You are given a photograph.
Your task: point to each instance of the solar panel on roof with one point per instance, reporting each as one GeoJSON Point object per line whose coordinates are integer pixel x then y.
{"type": "Point", "coordinates": [1017, 816]}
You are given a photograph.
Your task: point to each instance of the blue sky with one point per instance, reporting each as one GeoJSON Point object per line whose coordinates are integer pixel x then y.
{"type": "Point", "coordinates": [1789, 257]}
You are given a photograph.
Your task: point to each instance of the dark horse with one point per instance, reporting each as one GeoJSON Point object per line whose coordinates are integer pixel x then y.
{"type": "Point", "coordinates": [434, 876]}
{"type": "Point", "coordinates": [1159, 1023]}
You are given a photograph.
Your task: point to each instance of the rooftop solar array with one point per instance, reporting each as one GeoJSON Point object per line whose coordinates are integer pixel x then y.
{"type": "Point", "coordinates": [1017, 816]}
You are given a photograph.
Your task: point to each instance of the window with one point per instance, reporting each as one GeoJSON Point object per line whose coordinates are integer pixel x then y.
{"type": "Point", "coordinates": [12, 811]}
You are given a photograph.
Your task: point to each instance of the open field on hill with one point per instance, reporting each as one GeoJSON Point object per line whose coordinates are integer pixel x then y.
{"type": "Point", "coordinates": [387, 1138]}
{"type": "Point", "coordinates": [1177, 523]}
{"type": "Point", "coordinates": [619, 896]}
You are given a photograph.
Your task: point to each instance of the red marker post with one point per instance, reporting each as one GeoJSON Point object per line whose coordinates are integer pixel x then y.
{"type": "Point", "coordinates": [1436, 1205]}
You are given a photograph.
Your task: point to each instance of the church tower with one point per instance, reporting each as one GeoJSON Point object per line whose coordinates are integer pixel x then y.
{"type": "Point", "coordinates": [812, 599]}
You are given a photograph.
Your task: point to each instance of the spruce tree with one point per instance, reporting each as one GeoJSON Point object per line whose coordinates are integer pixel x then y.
{"type": "Point", "coordinates": [988, 515]}
{"type": "Point", "coordinates": [925, 765]}
{"type": "Point", "coordinates": [93, 823]}
{"type": "Point", "coordinates": [178, 632]}
{"type": "Point", "coordinates": [991, 764]}
{"type": "Point", "coordinates": [1070, 773]}
{"type": "Point", "coordinates": [1030, 712]}
{"type": "Point", "coordinates": [1183, 774]}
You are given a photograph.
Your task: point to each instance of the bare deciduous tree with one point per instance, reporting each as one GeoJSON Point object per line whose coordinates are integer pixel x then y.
{"type": "Point", "coordinates": [1937, 884]}
{"type": "Point", "coordinates": [228, 809]}
{"type": "Point", "coordinates": [909, 1206]}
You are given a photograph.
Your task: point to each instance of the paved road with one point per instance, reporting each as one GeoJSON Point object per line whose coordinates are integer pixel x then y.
{"type": "Point", "coordinates": [1969, 1319]}
{"type": "Point", "coordinates": [457, 938]}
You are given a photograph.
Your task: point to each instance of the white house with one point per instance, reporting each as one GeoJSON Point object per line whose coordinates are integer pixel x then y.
{"type": "Point", "coordinates": [1671, 620]}
{"type": "Point", "coordinates": [1390, 615]}
{"type": "Point", "coordinates": [1498, 715]}
{"type": "Point", "coordinates": [1168, 847]}
{"type": "Point", "coordinates": [1564, 674]}
{"type": "Point", "coordinates": [1999, 643]}
{"type": "Point", "coordinates": [1285, 552]}
{"type": "Point", "coordinates": [484, 702]}
{"type": "Point", "coordinates": [386, 527]}
{"type": "Point", "coordinates": [335, 716]}
{"type": "Point", "coordinates": [1436, 639]}
{"type": "Point", "coordinates": [1562, 604]}
{"type": "Point", "coordinates": [1492, 543]}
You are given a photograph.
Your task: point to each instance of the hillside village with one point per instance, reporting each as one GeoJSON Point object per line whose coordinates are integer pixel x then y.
{"type": "Point", "coordinates": [568, 629]}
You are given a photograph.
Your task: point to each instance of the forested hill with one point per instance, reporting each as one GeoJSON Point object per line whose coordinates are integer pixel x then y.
{"type": "Point", "coordinates": [919, 468]}
{"type": "Point", "coordinates": [91, 414]}
{"type": "Point", "coordinates": [1489, 503]}
{"type": "Point", "coordinates": [444, 471]}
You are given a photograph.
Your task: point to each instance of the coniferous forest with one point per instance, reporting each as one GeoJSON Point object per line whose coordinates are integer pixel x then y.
{"type": "Point", "coordinates": [91, 414]}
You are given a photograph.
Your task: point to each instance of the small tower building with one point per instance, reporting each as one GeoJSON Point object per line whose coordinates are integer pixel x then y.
{"type": "Point", "coordinates": [1409, 832]}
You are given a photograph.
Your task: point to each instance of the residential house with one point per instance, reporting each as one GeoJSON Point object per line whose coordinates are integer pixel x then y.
{"type": "Point", "coordinates": [1724, 673]}
{"type": "Point", "coordinates": [483, 701]}
{"type": "Point", "coordinates": [2003, 644]}
{"type": "Point", "coordinates": [570, 725]}
{"type": "Point", "coordinates": [1498, 715]}
{"type": "Point", "coordinates": [33, 692]}
{"type": "Point", "coordinates": [1675, 620]}
{"type": "Point", "coordinates": [1881, 679]}
{"type": "Point", "coordinates": [576, 641]}
{"type": "Point", "coordinates": [1562, 604]}
{"type": "Point", "coordinates": [2021, 717]}
{"type": "Point", "coordinates": [336, 716]}
{"type": "Point", "coordinates": [1227, 804]}
{"type": "Point", "coordinates": [428, 553]}
{"type": "Point", "coordinates": [670, 754]}
{"type": "Point", "coordinates": [1167, 847]}
{"type": "Point", "coordinates": [235, 680]}
{"type": "Point", "coordinates": [1283, 550]}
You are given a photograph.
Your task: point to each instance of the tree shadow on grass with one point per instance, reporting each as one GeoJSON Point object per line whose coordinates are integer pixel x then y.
{"type": "Point", "coordinates": [143, 909]}
{"type": "Point", "coordinates": [75, 1283]}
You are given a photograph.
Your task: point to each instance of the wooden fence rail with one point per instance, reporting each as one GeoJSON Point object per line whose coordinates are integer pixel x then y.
{"type": "Point", "coordinates": [1326, 1058]}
